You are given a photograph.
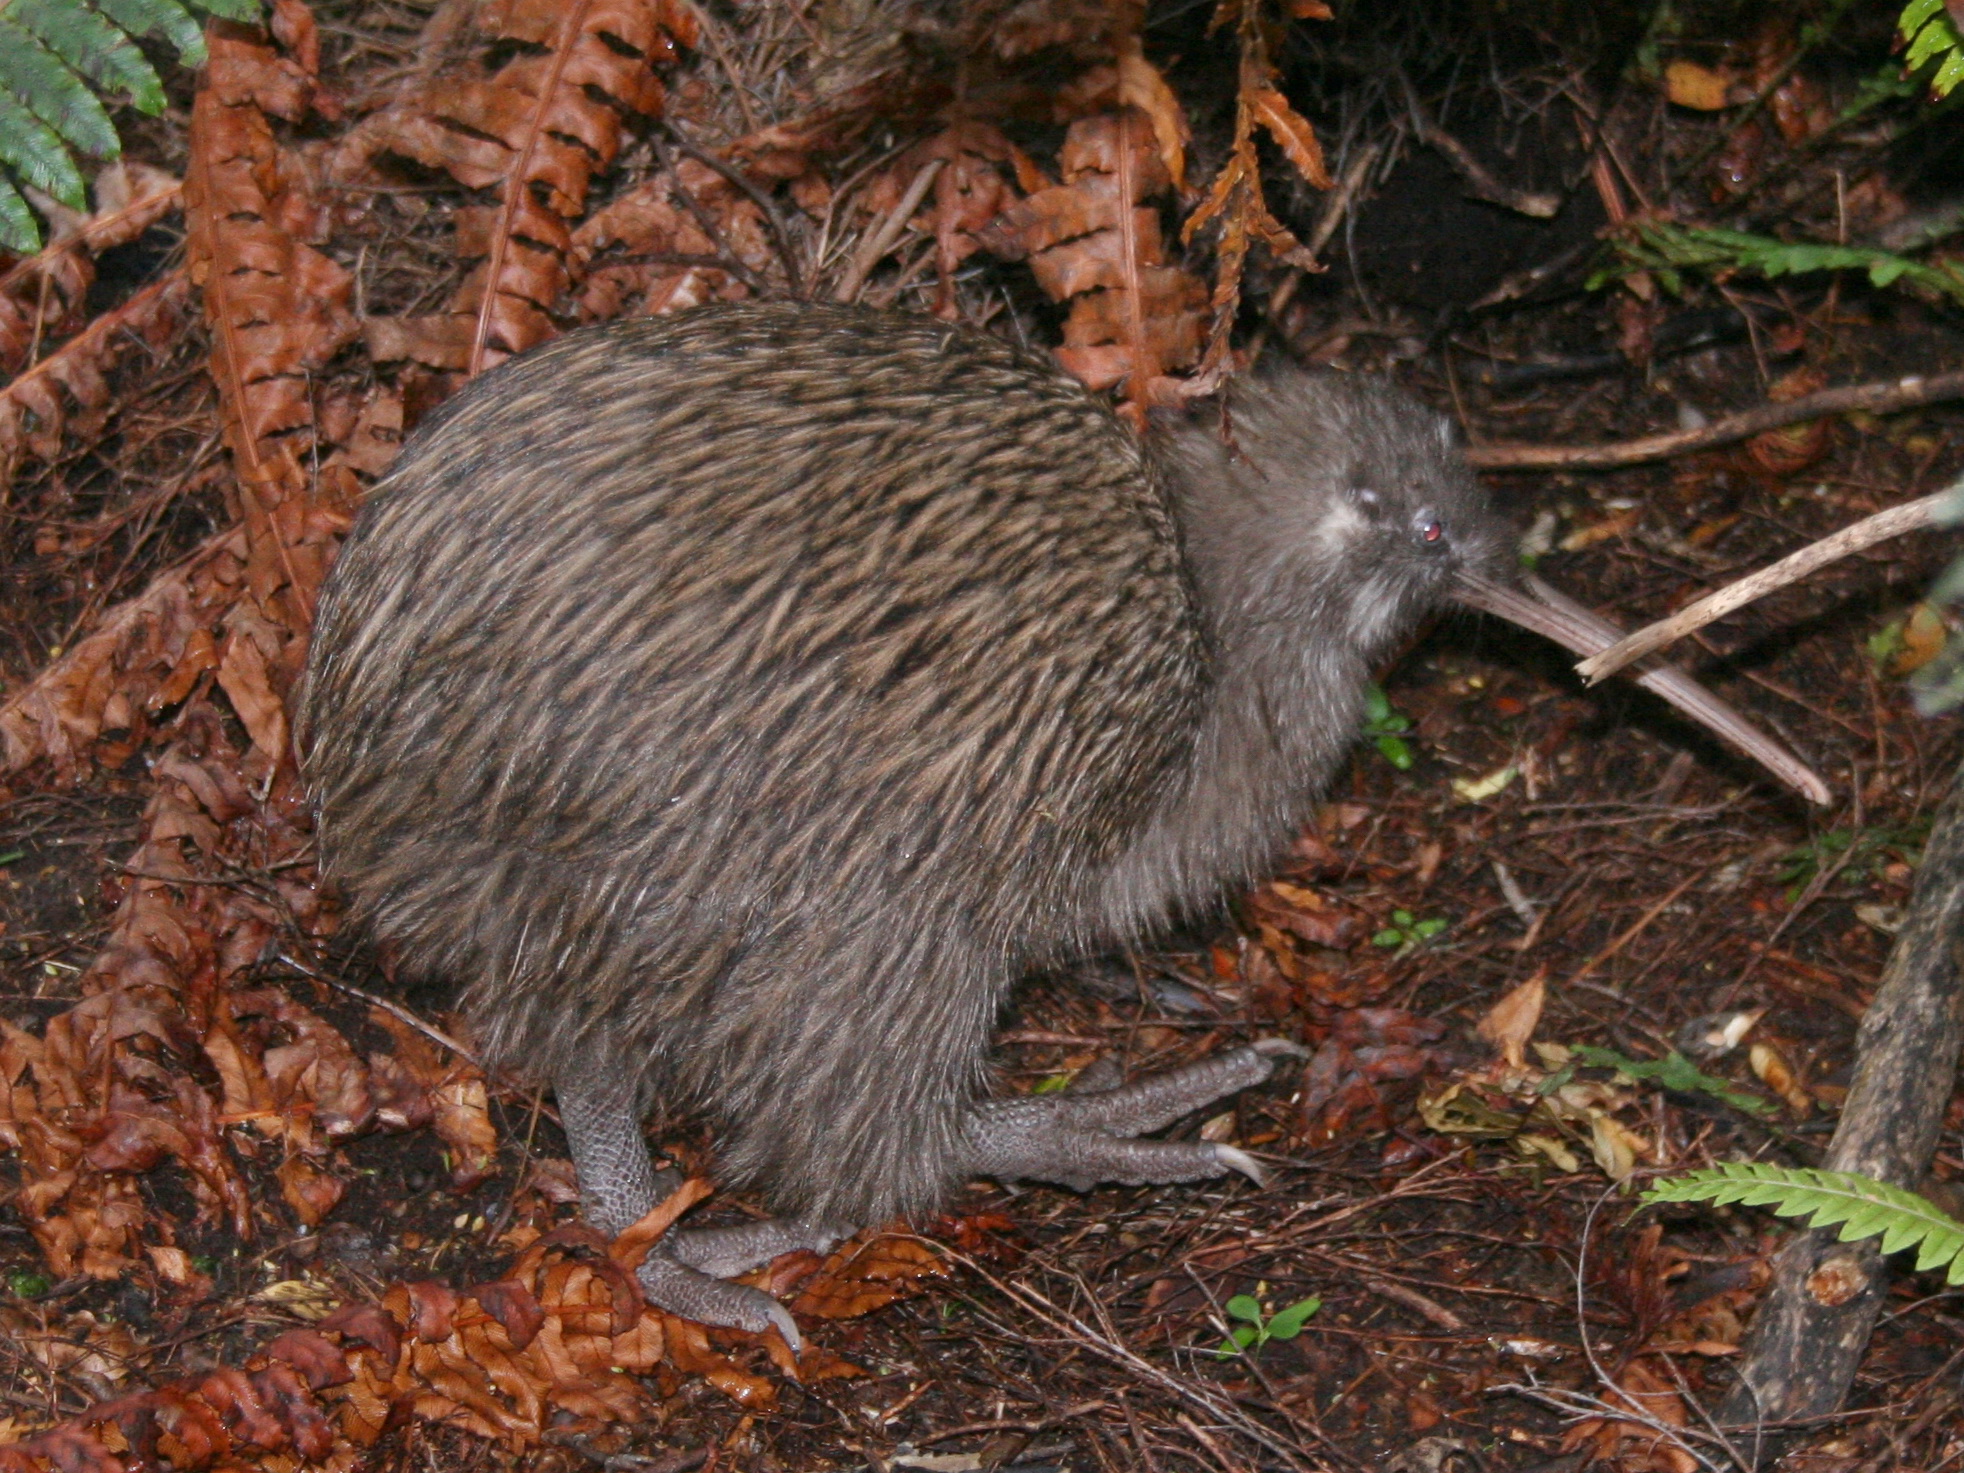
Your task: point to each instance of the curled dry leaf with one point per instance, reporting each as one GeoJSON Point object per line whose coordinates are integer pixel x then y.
{"type": "Point", "coordinates": [1366, 1048]}
{"type": "Point", "coordinates": [537, 130]}
{"type": "Point", "coordinates": [1090, 242]}
{"type": "Point", "coordinates": [1510, 1023]}
{"type": "Point", "coordinates": [963, 165]}
{"type": "Point", "coordinates": [866, 1273]}
{"type": "Point", "coordinates": [648, 252]}
{"type": "Point", "coordinates": [459, 1105]}
{"type": "Point", "coordinates": [638, 1237]}
{"type": "Point", "coordinates": [145, 656]}
{"type": "Point", "coordinates": [69, 388]}
{"type": "Point", "coordinates": [1235, 197]}
{"type": "Point", "coordinates": [278, 311]}
{"type": "Point", "coordinates": [42, 297]}
{"type": "Point", "coordinates": [1141, 86]}
{"type": "Point", "coordinates": [1649, 1392]}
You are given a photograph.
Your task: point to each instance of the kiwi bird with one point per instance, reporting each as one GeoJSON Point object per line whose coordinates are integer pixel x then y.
{"type": "Point", "coordinates": [735, 704]}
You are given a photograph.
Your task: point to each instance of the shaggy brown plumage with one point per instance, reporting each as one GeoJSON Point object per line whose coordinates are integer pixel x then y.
{"type": "Point", "coordinates": [736, 703]}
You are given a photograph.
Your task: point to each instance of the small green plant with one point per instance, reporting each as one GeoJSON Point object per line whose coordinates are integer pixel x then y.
{"type": "Point", "coordinates": [1259, 1327]}
{"type": "Point", "coordinates": [1868, 850]}
{"type": "Point", "coordinates": [1385, 726]}
{"type": "Point", "coordinates": [1673, 1072]}
{"type": "Point", "coordinates": [1931, 39]}
{"type": "Point", "coordinates": [1406, 930]}
{"type": "Point", "coordinates": [13, 855]}
{"type": "Point", "coordinates": [24, 1285]}
{"type": "Point", "coordinates": [1669, 251]}
{"type": "Point", "coordinates": [1865, 1207]}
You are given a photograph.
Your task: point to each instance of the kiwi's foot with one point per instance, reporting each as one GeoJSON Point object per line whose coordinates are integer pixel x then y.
{"type": "Point", "coordinates": [1081, 1139]}
{"type": "Point", "coordinates": [670, 1284]}
{"type": "Point", "coordinates": [725, 1251]}
{"type": "Point", "coordinates": [686, 1272]}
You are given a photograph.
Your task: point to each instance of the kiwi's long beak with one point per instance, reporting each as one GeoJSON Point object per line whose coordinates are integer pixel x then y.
{"type": "Point", "coordinates": [1575, 628]}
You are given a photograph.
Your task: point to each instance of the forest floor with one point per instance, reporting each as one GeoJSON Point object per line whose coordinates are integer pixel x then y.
{"type": "Point", "coordinates": [227, 1127]}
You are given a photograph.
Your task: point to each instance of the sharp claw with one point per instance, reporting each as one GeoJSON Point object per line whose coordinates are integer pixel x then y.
{"type": "Point", "coordinates": [1279, 1048]}
{"type": "Point", "coordinates": [780, 1318]}
{"type": "Point", "coordinates": [1236, 1159]}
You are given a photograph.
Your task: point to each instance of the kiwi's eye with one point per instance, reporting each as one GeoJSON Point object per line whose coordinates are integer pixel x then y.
{"type": "Point", "coordinates": [1431, 531]}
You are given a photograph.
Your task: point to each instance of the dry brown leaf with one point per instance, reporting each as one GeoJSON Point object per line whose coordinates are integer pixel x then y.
{"type": "Point", "coordinates": [1633, 1445]}
{"type": "Point", "coordinates": [1091, 242]}
{"type": "Point", "coordinates": [867, 1272]}
{"type": "Point", "coordinates": [537, 130]}
{"type": "Point", "coordinates": [278, 308]}
{"type": "Point", "coordinates": [142, 651]}
{"type": "Point", "coordinates": [638, 1237]}
{"type": "Point", "coordinates": [68, 388]}
{"type": "Point", "coordinates": [1235, 197]}
{"type": "Point", "coordinates": [1141, 86]}
{"type": "Point", "coordinates": [42, 297]}
{"type": "Point", "coordinates": [1510, 1023]}
{"type": "Point", "coordinates": [1698, 87]}
{"type": "Point", "coordinates": [1291, 130]}
{"type": "Point", "coordinates": [647, 252]}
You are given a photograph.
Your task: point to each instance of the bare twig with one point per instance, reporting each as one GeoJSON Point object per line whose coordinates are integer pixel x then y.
{"type": "Point", "coordinates": [1877, 398]}
{"type": "Point", "coordinates": [773, 221]}
{"type": "Point", "coordinates": [1480, 183]}
{"type": "Point", "coordinates": [1117, 1353]}
{"type": "Point", "coordinates": [732, 262]}
{"type": "Point", "coordinates": [1913, 516]}
{"type": "Point", "coordinates": [880, 241]}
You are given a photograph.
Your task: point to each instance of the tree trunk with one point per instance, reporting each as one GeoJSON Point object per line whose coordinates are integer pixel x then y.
{"type": "Point", "coordinates": [1813, 1326]}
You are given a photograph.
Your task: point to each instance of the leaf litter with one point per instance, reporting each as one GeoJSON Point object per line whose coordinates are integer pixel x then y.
{"type": "Point", "coordinates": [187, 1094]}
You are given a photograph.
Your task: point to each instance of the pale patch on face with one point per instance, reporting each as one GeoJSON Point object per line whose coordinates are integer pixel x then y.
{"type": "Point", "coordinates": [1340, 525]}
{"type": "Point", "coordinates": [1374, 610]}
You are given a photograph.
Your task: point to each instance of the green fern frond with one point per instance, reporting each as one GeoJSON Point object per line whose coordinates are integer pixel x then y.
{"type": "Point", "coordinates": [32, 151]}
{"type": "Point", "coordinates": [53, 93]}
{"type": "Point", "coordinates": [92, 46]}
{"type": "Point", "coordinates": [16, 219]}
{"type": "Point", "coordinates": [1864, 1207]}
{"type": "Point", "coordinates": [1666, 250]}
{"type": "Point", "coordinates": [159, 17]}
{"type": "Point", "coordinates": [55, 57]}
{"type": "Point", "coordinates": [1931, 35]}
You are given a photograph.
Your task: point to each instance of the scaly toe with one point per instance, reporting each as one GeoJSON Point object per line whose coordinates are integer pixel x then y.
{"type": "Point", "coordinates": [693, 1295]}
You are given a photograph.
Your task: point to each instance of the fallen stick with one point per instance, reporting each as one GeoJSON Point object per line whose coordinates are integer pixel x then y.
{"type": "Point", "coordinates": [1887, 397]}
{"type": "Point", "coordinates": [1814, 1323]}
{"type": "Point", "coordinates": [1912, 516]}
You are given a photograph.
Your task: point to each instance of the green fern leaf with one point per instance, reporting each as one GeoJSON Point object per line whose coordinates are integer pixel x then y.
{"type": "Point", "coordinates": [91, 45]}
{"type": "Point", "coordinates": [18, 232]}
{"type": "Point", "coordinates": [1864, 1207]}
{"type": "Point", "coordinates": [54, 94]}
{"type": "Point", "coordinates": [242, 10]}
{"type": "Point", "coordinates": [55, 55]}
{"type": "Point", "coordinates": [30, 148]}
{"type": "Point", "coordinates": [1946, 77]}
{"type": "Point", "coordinates": [1915, 14]}
{"type": "Point", "coordinates": [159, 17]}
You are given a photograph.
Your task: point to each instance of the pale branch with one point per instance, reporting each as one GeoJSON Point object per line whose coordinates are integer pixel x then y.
{"type": "Point", "coordinates": [1912, 516]}
{"type": "Point", "coordinates": [1888, 397]}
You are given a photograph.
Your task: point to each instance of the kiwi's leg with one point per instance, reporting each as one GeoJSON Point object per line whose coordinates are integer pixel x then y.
{"type": "Point", "coordinates": [1082, 1139]}
{"type": "Point", "coordinates": [600, 1108]}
